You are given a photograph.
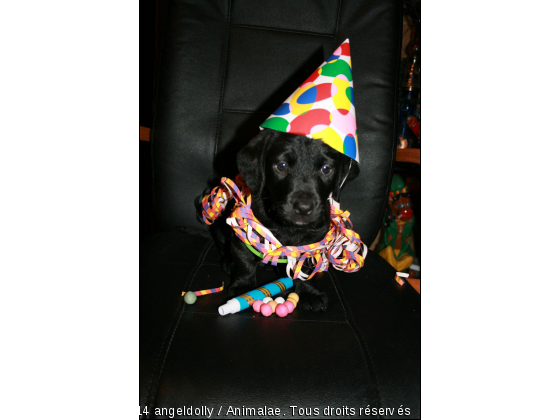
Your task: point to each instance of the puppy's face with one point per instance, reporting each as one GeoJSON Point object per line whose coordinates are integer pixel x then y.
{"type": "Point", "coordinates": [294, 176]}
{"type": "Point", "coordinates": [300, 174]}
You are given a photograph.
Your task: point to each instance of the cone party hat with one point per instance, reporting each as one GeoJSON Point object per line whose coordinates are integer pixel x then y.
{"type": "Point", "coordinates": [322, 107]}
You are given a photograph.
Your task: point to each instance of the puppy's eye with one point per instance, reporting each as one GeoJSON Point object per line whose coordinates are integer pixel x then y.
{"type": "Point", "coordinates": [282, 166]}
{"type": "Point", "coordinates": [326, 169]}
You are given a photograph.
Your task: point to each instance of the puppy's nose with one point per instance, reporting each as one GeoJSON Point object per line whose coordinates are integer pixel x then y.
{"type": "Point", "coordinates": [303, 207]}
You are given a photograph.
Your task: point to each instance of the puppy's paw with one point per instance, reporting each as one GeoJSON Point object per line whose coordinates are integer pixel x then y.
{"type": "Point", "coordinates": [233, 292]}
{"type": "Point", "coordinates": [236, 290]}
{"type": "Point", "coordinates": [315, 301]}
{"type": "Point", "coordinates": [226, 264]}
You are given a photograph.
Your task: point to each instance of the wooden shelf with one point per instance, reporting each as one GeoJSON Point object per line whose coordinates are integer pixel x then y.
{"type": "Point", "coordinates": [408, 155]}
{"type": "Point", "coordinates": [415, 283]}
{"type": "Point", "coordinates": [144, 134]}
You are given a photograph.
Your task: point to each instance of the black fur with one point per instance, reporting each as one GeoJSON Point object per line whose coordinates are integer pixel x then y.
{"type": "Point", "coordinates": [290, 178]}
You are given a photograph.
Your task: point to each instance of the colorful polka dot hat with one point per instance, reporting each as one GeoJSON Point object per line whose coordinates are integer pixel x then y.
{"type": "Point", "coordinates": [323, 106]}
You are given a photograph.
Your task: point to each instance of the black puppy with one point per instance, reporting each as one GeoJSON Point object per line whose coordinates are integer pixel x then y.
{"type": "Point", "coordinates": [291, 178]}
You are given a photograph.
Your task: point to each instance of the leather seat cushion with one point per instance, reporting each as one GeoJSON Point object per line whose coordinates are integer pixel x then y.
{"type": "Point", "coordinates": [364, 350]}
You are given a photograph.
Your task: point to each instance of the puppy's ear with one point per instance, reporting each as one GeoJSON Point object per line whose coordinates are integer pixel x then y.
{"type": "Point", "coordinates": [349, 169]}
{"type": "Point", "coordinates": [251, 160]}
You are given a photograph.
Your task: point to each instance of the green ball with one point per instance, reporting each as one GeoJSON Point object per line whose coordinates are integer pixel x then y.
{"type": "Point", "coordinates": [190, 298]}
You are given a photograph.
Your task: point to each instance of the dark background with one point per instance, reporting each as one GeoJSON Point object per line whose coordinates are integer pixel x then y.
{"type": "Point", "coordinates": [152, 23]}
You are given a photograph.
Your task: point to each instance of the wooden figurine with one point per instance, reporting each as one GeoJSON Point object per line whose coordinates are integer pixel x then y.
{"type": "Point", "coordinates": [395, 245]}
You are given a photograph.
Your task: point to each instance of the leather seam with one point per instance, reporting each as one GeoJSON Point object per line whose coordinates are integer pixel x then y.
{"type": "Point", "coordinates": [200, 264]}
{"type": "Point", "coordinates": [337, 24]}
{"type": "Point", "coordinates": [364, 347]}
{"type": "Point", "coordinates": [395, 120]}
{"type": "Point", "coordinates": [276, 319]}
{"type": "Point", "coordinates": [154, 116]}
{"type": "Point", "coordinates": [223, 89]}
{"type": "Point", "coordinates": [246, 111]}
{"type": "Point", "coordinates": [166, 343]}
{"type": "Point", "coordinates": [175, 263]}
{"type": "Point", "coordinates": [269, 28]}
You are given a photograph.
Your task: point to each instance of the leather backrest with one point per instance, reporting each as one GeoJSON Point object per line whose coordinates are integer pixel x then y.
{"type": "Point", "coordinates": [227, 65]}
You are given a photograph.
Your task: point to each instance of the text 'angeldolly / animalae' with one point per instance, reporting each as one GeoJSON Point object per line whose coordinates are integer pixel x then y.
{"type": "Point", "coordinates": [291, 411]}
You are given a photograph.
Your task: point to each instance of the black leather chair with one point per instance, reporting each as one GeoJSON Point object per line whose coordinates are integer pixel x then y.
{"type": "Point", "coordinates": [226, 65]}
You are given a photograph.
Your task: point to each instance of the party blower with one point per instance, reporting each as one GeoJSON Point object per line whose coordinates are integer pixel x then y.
{"type": "Point", "coordinates": [246, 300]}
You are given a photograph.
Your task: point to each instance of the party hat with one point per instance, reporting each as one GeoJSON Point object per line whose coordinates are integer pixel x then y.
{"type": "Point", "coordinates": [323, 106]}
